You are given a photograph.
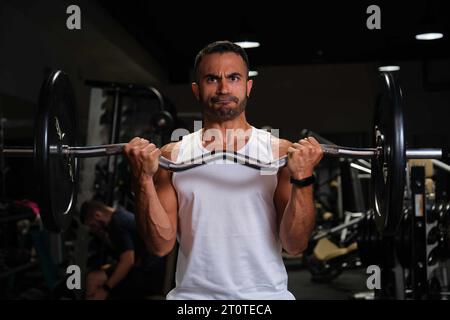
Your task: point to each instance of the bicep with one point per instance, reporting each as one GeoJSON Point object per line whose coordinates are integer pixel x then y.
{"type": "Point", "coordinates": [166, 194]}
{"type": "Point", "coordinates": [127, 256]}
{"type": "Point", "coordinates": [282, 193]}
{"type": "Point", "coordinates": [283, 190]}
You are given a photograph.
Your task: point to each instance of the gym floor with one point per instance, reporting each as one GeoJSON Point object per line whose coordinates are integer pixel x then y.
{"type": "Point", "coordinates": [344, 287]}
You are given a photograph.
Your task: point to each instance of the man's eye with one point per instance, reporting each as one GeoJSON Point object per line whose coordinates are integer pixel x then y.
{"type": "Point", "coordinates": [234, 78]}
{"type": "Point", "coordinates": [211, 79]}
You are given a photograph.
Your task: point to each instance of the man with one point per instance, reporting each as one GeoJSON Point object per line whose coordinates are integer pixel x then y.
{"type": "Point", "coordinates": [230, 220]}
{"type": "Point", "coordinates": [136, 273]}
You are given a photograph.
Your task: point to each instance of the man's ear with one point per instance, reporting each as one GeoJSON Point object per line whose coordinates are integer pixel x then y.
{"type": "Point", "coordinates": [98, 215]}
{"type": "Point", "coordinates": [195, 90]}
{"type": "Point", "coordinates": [249, 87]}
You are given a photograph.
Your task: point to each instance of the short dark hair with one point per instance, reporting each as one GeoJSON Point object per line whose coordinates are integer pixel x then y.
{"type": "Point", "coordinates": [88, 209]}
{"type": "Point", "coordinates": [220, 47]}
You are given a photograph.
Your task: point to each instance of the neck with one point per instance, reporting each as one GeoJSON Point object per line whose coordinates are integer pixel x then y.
{"type": "Point", "coordinates": [226, 135]}
{"type": "Point", "coordinates": [239, 122]}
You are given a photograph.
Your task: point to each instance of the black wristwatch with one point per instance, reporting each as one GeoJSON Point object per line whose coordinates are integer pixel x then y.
{"type": "Point", "coordinates": [303, 182]}
{"type": "Point", "coordinates": [106, 288]}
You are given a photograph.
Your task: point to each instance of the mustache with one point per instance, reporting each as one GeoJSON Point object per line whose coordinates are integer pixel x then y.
{"type": "Point", "coordinates": [225, 99]}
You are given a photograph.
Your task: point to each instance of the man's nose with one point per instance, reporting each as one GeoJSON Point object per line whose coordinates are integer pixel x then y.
{"type": "Point", "coordinates": [223, 87]}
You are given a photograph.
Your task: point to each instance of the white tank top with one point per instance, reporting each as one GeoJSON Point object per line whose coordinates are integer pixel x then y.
{"type": "Point", "coordinates": [227, 227]}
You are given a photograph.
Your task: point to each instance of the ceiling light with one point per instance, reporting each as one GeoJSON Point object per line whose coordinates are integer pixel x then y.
{"type": "Point", "coordinates": [252, 73]}
{"type": "Point", "coordinates": [389, 68]}
{"type": "Point", "coordinates": [429, 36]}
{"type": "Point", "coordinates": [247, 44]}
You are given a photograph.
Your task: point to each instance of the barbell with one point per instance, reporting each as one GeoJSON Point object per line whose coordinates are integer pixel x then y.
{"type": "Point", "coordinates": [56, 154]}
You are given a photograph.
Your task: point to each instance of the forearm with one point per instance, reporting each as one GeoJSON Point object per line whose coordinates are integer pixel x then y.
{"type": "Point", "coordinates": [120, 272]}
{"type": "Point", "coordinates": [298, 220]}
{"type": "Point", "coordinates": [153, 221]}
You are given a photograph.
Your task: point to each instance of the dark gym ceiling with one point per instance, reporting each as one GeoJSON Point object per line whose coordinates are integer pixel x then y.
{"type": "Point", "coordinates": [294, 32]}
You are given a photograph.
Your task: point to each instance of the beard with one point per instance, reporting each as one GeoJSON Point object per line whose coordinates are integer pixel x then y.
{"type": "Point", "coordinates": [223, 112]}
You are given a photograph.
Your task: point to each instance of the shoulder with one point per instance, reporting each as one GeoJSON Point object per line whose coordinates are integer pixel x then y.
{"type": "Point", "coordinates": [122, 217]}
{"type": "Point", "coordinates": [122, 213]}
{"type": "Point", "coordinates": [280, 147]}
{"type": "Point", "coordinates": [170, 150]}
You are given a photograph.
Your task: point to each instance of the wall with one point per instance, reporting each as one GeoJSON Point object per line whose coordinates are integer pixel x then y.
{"type": "Point", "coordinates": [34, 36]}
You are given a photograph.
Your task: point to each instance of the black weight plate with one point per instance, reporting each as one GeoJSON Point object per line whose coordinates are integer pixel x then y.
{"type": "Point", "coordinates": [162, 121]}
{"type": "Point", "coordinates": [389, 165]}
{"type": "Point", "coordinates": [56, 173]}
